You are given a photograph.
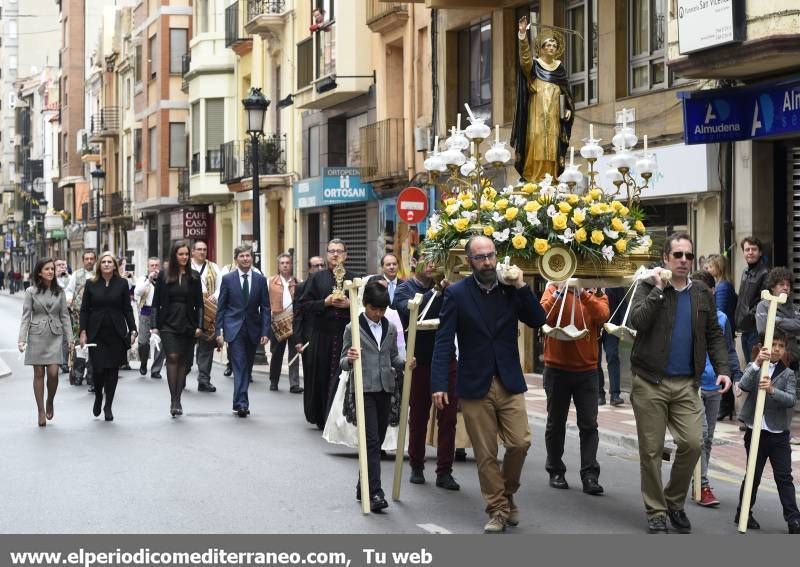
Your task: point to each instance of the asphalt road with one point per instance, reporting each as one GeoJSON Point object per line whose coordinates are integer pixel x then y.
{"type": "Point", "coordinates": [212, 472]}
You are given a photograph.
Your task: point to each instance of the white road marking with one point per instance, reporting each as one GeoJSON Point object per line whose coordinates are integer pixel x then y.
{"type": "Point", "coordinates": [434, 529]}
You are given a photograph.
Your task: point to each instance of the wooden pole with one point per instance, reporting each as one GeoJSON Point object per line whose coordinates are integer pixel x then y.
{"type": "Point", "coordinates": [698, 470]}
{"type": "Point", "coordinates": [413, 309]}
{"type": "Point", "coordinates": [355, 332]}
{"type": "Point", "coordinates": [744, 512]}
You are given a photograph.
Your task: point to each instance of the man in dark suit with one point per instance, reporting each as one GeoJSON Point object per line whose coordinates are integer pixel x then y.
{"type": "Point", "coordinates": [388, 275]}
{"type": "Point", "coordinates": [243, 319]}
{"type": "Point", "coordinates": [483, 314]}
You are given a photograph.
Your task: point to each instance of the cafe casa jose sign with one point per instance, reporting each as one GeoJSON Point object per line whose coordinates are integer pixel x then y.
{"type": "Point", "coordinates": [192, 224]}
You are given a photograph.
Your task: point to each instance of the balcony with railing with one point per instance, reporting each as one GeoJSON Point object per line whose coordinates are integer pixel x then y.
{"type": "Point", "coordinates": [186, 64]}
{"type": "Point", "coordinates": [383, 17]}
{"type": "Point", "coordinates": [113, 205]}
{"type": "Point", "coordinates": [183, 185]}
{"type": "Point", "coordinates": [213, 160]}
{"type": "Point", "coordinates": [235, 33]}
{"type": "Point", "coordinates": [104, 124]}
{"type": "Point", "coordinates": [266, 18]}
{"type": "Point", "coordinates": [383, 151]}
{"type": "Point", "coordinates": [237, 162]}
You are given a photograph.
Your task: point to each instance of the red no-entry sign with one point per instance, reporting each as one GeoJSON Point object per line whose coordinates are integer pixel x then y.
{"type": "Point", "coordinates": [412, 205]}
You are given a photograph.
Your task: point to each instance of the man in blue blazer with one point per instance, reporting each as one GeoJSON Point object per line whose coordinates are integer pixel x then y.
{"type": "Point", "coordinates": [243, 319]}
{"type": "Point", "coordinates": [484, 313]}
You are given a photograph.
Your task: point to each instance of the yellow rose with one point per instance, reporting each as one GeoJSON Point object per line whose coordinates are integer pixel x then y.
{"type": "Point", "coordinates": [573, 199]}
{"type": "Point", "coordinates": [431, 234]}
{"type": "Point", "coordinates": [587, 199]}
{"type": "Point", "coordinates": [490, 192]}
{"type": "Point", "coordinates": [462, 196]}
{"type": "Point", "coordinates": [488, 230]}
{"type": "Point", "coordinates": [578, 217]}
{"type": "Point", "coordinates": [564, 207]}
{"type": "Point", "coordinates": [532, 206]}
{"type": "Point", "coordinates": [597, 237]}
{"type": "Point", "coordinates": [560, 221]}
{"type": "Point", "coordinates": [580, 235]}
{"type": "Point", "coordinates": [468, 203]}
{"type": "Point", "coordinates": [519, 242]}
{"type": "Point", "coordinates": [529, 188]}
{"type": "Point", "coordinates": [541, 246]}
{"type": "Point", "coordinates": [451, 210]}
{"type": "Point", "coordinates": [605, 207]}
{"type": "Point", "coordinates": [487, 205]}
{"type": "Point", "coordinates": [511, 213]}
{"type": "Point", "coordinates": [596, 193]}
{"type": "Point", "coordinates": [638, 226]}
{"type": "Point", "coordinates": [616, 224]}
{"type": "Point", "coordinates": [450, 201]}
{"type": "Point", "coordinates": [616, 205]}
{"type": "Point", "coordinates": [621, 245]}
{"type": "Point", "coordinates": [623, 212]}
{"type": "Point", "coordinates": [461, 224]}
{"type": "Point", "coordinates": [596, 209]}
{"type": "Point", "coordinates": [502, 204]}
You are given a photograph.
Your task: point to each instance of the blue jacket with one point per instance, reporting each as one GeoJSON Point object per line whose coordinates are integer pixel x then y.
{"type": "Point", "coordinates": [233, 315]}
{"type": "Point", "coordinates": [487, 341]}
{"type": "Point", "coordinates": [423, 350]}
{"type": "Point", "coordinates": [708, 380]}
{"type": "Point", "coordinates": [726, 299]}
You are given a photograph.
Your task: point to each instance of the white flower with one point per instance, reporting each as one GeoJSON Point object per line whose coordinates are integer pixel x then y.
{"type": "Point", "coordinates": [608, 253]}
{"type": "Point", "coordinates": [551, 211]}
{"type": "Point", "coordinates": [646, 242]}
{"type": "Point", "coordinates": [519, 228]}
{"type": "Point", "coordinates": [471, 215]}
{"type": "Point", "coordinates": [533, 219]}
{"type": "Point", "coordinates": [547, 181]}
{"type": "Point", "coordinates": [627, 225]}
{"type": "Point", "coordinates": [501, 236]}
{"type": "Point", "coordinates": [562, 188]}
{"type": "Point", "coordinates": [567, 237]}
{"type": "Point", "coordinates": [612, 234]}
{"type": "Point", "coordinates": [507, 190]}
{"type": "Point", "coordinates": [519, 201]}
{"type": "Point", "coordinates": [435, 222]}
{"type": "Point", "coordinates": [497, 217]}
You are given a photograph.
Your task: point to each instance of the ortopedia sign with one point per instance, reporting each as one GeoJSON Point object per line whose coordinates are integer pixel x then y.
{"type": "Point", "coordinates": [412, 205]}
{"type": "Point", "coordinates": [336, 186]}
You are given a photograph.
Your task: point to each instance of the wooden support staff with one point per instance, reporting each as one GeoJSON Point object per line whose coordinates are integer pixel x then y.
{"type": "Point", "coordinates": [355, 332]}
{"type": "Point", "coordinates": [413, 308]}
{"type": "Point", "coordinates": [744, 513]}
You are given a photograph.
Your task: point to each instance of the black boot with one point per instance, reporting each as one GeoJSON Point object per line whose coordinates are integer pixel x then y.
{"type": "Point", "coordinates": [144, 354]}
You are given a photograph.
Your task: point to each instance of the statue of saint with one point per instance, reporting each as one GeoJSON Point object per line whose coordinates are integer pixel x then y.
{"type": "Point", "coordinates": [545, 109]}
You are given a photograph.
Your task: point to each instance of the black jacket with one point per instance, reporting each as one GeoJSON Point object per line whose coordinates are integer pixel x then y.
{"type": "Point", "coordinates": [194, 307]}
{"type": "Point", "coordinates": [114, 303]}
{"type": "Point", "coordinates": [653, 317]}
{"type": "Point", "coordinates": [423, 350]}
{"type": "Point", "coordinates": [754, 279]}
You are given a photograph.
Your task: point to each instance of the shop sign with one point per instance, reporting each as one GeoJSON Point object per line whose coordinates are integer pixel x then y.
{"type": "Point", "coordinates": [336, 186]}
{"type": "Point", "coordinates": [728, 115]}
{"type": "Point", "coordinates": [709, 23]}
{"type": "Point", "coordinates": [58, 234]}
{"type": "Point", "coordinates": [189, 224]}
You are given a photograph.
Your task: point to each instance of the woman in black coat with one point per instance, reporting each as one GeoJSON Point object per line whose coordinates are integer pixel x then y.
{"type": "Point", "coordinates": [177, 318]}
{"type": "Point", "coordinates": [107, 321]}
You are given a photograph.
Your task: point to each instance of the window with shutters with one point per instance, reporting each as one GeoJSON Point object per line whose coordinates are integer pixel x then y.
{"type": "Point", "coordinates": [152, 54]}
{"type": "Point", "coordinates": [195, 136]}
{"type": "Point", "coordinates": [313, 151]}
{"type": "Point", "coordinates": [349, 222]}
{"type": "Point", "coordinates": [305, 63]}
{"type": "Point", "coordinates": [177, 144]}
{"type": "Point", "coordinates": [215, 132]}
{"type": "Point", "coordinates": [152, 140]}
{"type": "Point", "coordinates": [138, 70]}
{"type": "Point", "coordinates": [177, 49]}
{"type": "Point", "coordinates": [137, 150]}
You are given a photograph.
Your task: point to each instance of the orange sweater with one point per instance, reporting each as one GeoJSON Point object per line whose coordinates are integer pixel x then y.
{"type": "Point", "coordinates": [580, 355]}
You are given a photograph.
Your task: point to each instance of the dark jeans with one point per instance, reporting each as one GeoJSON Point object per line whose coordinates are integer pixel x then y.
{"type": "Point", "coordinates": [775, 447]}
{"type": "Point", "coordinates": [420, 411]}
{"type": "Point", "coordinates": [611, 345]}
{"type": "Point", "coordinates": [562, 386]}
{"type": "Point", "coordinates": [749, 340]}
{"type": "Point", "coordinates": [376, 414]}
{"type": "Point", "coordinates": [242, 353]}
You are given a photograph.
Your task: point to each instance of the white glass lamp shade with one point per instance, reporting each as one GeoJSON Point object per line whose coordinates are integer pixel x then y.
{"type": "Point", "coordinates": [457, 141]}
{"type": "Point", "coordinates": [469, 167]}
{"type": "Point", "coordinates": [98, 179]}
{"type": "Point", "coordinates": [477, 130]}
{"type": "Point", "coordinates": [571, 174]}
{"type": "Point", "coordinates": [435, 163]}
{"type": "Point", "coordinates": [613, 175]}
{"type": "Point", "coordinates": [255, 106]}
{"type": "Point", "coordinates": [498, 153]}
{"type": "Point", "coordinates": [646, 165]}
{"type": "Point", "coordinates": [453, 156]}
{"type": "Point", "coordinates": [592, 150]}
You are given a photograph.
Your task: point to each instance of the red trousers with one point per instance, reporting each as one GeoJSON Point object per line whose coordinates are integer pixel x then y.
{"type": "Point", "coordinates": [419, 412]}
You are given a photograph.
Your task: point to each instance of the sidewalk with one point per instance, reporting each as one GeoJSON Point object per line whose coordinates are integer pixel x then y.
{"type": "Point", "coordinates": [617, 427]}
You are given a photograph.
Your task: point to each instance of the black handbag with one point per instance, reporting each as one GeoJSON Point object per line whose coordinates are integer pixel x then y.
{"type": "Point", "coordinates": [349, 406]}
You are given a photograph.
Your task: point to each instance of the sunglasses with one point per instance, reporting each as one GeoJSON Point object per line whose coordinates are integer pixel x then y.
{"type": "Point", "coordinates": [688, 255]}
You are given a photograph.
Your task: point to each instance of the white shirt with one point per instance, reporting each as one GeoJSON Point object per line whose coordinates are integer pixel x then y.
{"type": "Point", "coordinates": [377, 330]}
{"type": "Point", "coordinates": [249, 275]}
{"type": "Point", "coordinates": [208, 266]}
{"type": "Point", "coordinates": [144, 287]}
{"type": "Point", "coordinates": [287, 297]}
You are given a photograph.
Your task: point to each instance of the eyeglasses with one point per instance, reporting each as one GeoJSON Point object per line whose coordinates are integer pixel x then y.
{"type": "Point", "coordinates": [483, 257]}
{"type": "Point", "coordinates": [678, 255]}
{"type": "Point", "coordinates": [336, 251]}
{"type": "Point", "coordinates": [201, 249]}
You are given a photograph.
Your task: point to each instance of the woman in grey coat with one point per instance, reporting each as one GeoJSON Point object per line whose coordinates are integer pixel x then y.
{"type": "Point", "coordinates": [44, 321]}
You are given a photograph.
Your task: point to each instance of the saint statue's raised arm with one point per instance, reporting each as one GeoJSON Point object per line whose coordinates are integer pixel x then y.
{"type": "Point", "coordinates": [544, 110]}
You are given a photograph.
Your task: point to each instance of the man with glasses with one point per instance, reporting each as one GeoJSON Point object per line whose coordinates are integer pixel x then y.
{"type": "Point", "coordinates": [327, 315]}
{"type": "Point", "coordinates": [211, 281]}
{"type": "Point", "coordinates": [484, 314]}
{"type": "Point", "coordinates": [676, 326]}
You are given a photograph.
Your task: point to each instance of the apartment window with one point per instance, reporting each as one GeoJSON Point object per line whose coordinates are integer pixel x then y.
{"type": "Point", "coordinates": [354, 126]}
{"type": "Point", "coordinates": [647, 45]}
{"type": "Point", "coordinates": [327, 7]}
{"type": "Point", "coordinates": [475, 68]}
{"type": "Point", "coordinates": [305, 63]}
{"type": "Point", "coordinates": [152, 141]}
{"type": "Point", "coordinates": [313, 151]}
{"type": "Point", "coordinates": [152, 53]}
{"type": "Point", "coordinates": [138, 70]}
{"type": "Point", "coordinates": [137, 149]}
{"type": "Point", "coordinates": [582, 50]}
{"type": "Point", "coordinates": [177, 144]}
{"type": "Point", "coordinates": [215, 133]}
{"type": "Point", "coordinates": [201, 11]}
{"type": "Point", "coordinates": [177, 49]}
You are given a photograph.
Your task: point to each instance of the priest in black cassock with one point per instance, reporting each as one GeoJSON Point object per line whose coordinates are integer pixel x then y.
{"type": "Point", "coordinates": [327, 317]}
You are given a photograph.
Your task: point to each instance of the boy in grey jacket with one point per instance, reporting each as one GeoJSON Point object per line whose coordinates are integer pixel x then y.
{"type": "Point", "coordinates": [779, 386]}
{"type": "Point", "coordinates": [380, 362]}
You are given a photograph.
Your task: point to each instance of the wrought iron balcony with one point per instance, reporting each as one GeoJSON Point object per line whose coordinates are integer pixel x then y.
{"type": "Point", "coordinates": [113, 205]}
{"type": "Point", "coordinates": [183, 185]}
{"type": "Point", "coordinates": [237, 162]}
{"type": "Point", "coordinates": [383, 150]}
{"type": "Point", "coordinates": [104, 124]}
{"type": "Point", "coordinates": [266, 17]}
{"type": "Point", "coordinates": [186, 63]}
{"type": "Point", "coordinates": [386, 16]}
{"type": "Point", "coordinates": [234, 25]}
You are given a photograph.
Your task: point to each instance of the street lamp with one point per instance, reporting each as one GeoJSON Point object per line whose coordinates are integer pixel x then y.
{"type": "Point", "coordinates": [98, 184]}
{"type": "Point", "coordinates": [255, 106]}
{"type": "Point", "coordinates": [43, 206]}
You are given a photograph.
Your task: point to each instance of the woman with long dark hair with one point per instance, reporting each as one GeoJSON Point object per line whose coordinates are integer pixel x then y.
{"type": "Point", "coordinates": [45, 320]}
{"type": "Point", "coordinates": [177, 318]}
{"type": "Point", "coordinates": [107, 321]}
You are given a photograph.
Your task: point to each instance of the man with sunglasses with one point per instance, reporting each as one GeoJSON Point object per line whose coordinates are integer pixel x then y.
{"type": "Point", "coordinates": [484, 314]}
{"type": "Point", "coordinates": [676, 327]}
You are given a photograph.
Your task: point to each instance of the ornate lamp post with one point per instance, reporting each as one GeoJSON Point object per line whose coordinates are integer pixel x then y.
{"type": "Point", "coordinates": [255, 106]}
{"type": "Point", "coordinates": [98, 184]}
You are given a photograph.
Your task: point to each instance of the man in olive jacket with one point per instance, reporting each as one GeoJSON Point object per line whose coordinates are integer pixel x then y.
{"type": "Point", "coordinates": [676, 325]}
